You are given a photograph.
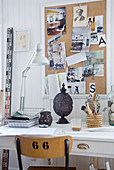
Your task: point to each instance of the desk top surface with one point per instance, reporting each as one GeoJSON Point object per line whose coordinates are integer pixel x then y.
{"type": "Point", "coordinates": [105, 133]}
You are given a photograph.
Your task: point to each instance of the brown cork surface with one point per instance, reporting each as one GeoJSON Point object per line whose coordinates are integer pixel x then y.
{"type": "Point", "coordinates": [93, 9]}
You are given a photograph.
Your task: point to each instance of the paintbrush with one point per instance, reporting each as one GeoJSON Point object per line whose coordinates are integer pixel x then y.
{"type": "Point", "coordinates": [88, 108]}
{"type": "Point", "coordinates": [84, 109]}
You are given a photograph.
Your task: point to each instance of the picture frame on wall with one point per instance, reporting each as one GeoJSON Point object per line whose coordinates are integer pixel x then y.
{"type": "Point", "coordinates": [21, 40]}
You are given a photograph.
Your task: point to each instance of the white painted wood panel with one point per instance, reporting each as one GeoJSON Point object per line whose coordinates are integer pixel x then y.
{"type": "Point", "coordinates": [26, 14]}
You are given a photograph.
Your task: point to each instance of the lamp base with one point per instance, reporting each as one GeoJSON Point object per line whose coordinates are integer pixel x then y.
{"type": "Point", "coordinates": [62, 120]}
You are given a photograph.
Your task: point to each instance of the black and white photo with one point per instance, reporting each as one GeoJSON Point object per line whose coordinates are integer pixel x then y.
{"type": "Point", "coordinates": [79, 16]}
{"type": "Point", "coordinates": [80, 39]}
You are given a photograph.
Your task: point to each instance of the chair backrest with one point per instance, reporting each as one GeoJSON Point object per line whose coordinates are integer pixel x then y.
{"type": "Point", "coordinates": [38, 147]}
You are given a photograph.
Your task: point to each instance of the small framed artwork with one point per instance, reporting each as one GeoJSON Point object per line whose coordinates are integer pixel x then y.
{"type": "Point", "coordinates": [21, 40]}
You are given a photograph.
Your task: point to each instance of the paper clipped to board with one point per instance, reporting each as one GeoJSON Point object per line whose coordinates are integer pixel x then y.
{"type": "Point", "coordinates": [62, 79]}
{"type": "Point", "coordinates": [76, 58]}
{"type": "Point", "coordinates": [53, 84]}
{"type": "Point", "coordinates": [102, 40]}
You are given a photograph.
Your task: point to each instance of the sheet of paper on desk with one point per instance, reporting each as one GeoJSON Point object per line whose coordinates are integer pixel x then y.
{"type": "Point", "coordinates": [101, 129]}
{"type": "Point", "coordinates": [41, 131]}
{"type": "Point", "coordinates": [76, 58]}
{"type": "Point", "coordinates": [7, 131]}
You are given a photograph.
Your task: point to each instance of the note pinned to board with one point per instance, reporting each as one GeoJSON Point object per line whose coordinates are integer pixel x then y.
{"type": "Point", "coordinates": [53, 84]}
{"type": "Point", "coordinates": [102, 40]}
{"type": "Point", "coordinates": [62, 79]}
{"type": "Point", "coordinates": [76, 58]}
{"type": "Point", "coordinates": [1, 98]}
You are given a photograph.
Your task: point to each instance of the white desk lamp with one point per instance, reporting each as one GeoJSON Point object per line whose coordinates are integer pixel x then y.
{"type": "Point", "coordinates": [38, 58]}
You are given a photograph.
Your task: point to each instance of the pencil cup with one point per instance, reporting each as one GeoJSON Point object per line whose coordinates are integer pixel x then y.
{"type": "Point", "coordinates": [94, 121]}
{"type": "Point", "coordinates": [76, 124]}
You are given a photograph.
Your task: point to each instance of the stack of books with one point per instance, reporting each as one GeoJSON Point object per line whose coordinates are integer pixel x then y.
{"type": "Point", "coordinates": [18, 119]}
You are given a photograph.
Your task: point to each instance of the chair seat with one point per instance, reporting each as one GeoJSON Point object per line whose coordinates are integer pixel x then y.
{"type": "Point", "coordinates": [50, 168]}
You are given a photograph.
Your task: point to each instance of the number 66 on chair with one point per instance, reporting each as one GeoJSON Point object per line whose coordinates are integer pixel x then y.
{"type": "Point", "coordinates": [43, 148]}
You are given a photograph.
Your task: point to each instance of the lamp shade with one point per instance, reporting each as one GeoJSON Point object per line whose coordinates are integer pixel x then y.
{"type": "Point", "coordinates": [39, 58]}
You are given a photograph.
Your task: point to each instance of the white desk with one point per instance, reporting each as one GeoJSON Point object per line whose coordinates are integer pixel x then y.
{"type": "Point", "coordinates": [101, 144]}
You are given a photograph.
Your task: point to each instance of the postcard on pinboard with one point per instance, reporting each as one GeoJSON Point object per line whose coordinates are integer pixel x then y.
{"type": "Point", "coordinates": [57, 55]}
{"type": "Point", "coordinates": [91, 23]}
{"type": "Point", "coordinates": [80, 39]}
{"type": "Point", "coordinates": [80, 16]}
{"type": "Point", "coordinates": [99, 24]}
{"type": "Point", "coordinates": [55, 38]}
{"type": "Point", "coordinates": [75, 80]}
{"type": "Point", "coordinates": [94, 38]}
{"type": "Point", "coordinates": [94, 65]}
{"type": "Point", "coordinates": [56, 20]}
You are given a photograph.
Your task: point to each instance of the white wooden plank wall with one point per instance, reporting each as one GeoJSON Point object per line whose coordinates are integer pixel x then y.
{"type": "Point", "coordinates": [81, 163]}
{"type": "Point", "coordinates": [25, 14]}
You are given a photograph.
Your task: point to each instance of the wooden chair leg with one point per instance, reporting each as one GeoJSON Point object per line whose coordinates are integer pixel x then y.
{"type": "Point", "coordinates": [95, 163]}
{"type": "Point", "coordinates": [67, 154]}
{"type": "Point", "coordinates": [19, 154]}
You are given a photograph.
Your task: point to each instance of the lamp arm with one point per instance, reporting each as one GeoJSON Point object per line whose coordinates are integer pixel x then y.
{"type": "Point", "coordinates": [24, 72]}
{"type": "Point", "coordinates": [22, 95]}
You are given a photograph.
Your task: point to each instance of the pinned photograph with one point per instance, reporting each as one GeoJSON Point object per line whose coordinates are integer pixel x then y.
{"type": "Point", "coordinates": [55, 38]}
{"type": "Point", "coordinates": [94, 65]}
{"type": "Point", "coordinates": [80, 16]}
{"type": "Point", "coordinates": [57, 55]}
{"type": "Point", "coordinates": [76, 80]}
{"type": "Point", "coordinates": [102, 40]}
{"type": "Point", "coordinates": [56, 20]}
{"type": "Point", "coordinates": [80, 39]}
{"type": "Point", "coordinates": [91, 23]}
{"type": "Point", "coordinates": [99, 24]}
{"type": "Point", "coordinates": [94, 38]}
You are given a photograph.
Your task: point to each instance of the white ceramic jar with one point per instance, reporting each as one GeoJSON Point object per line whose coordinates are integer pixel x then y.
{"type": "Point", "coordinates": [110, 99]}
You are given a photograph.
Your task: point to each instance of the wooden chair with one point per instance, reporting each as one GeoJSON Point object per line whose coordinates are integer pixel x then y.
{"type": "Point", "coordinates": [37, 147]}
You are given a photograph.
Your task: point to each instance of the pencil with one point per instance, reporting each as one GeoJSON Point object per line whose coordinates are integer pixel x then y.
{"type": "Point", "coordinates": [94, 96]}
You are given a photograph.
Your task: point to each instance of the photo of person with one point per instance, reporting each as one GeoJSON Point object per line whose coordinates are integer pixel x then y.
{"type": "Point", "coordinates": [79, 16]}
{"type": "Point", "coordinates": [91, 23]}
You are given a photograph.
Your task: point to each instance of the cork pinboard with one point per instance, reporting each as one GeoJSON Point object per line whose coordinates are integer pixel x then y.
{"type": "Point", "coordinates": [93, 9]}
